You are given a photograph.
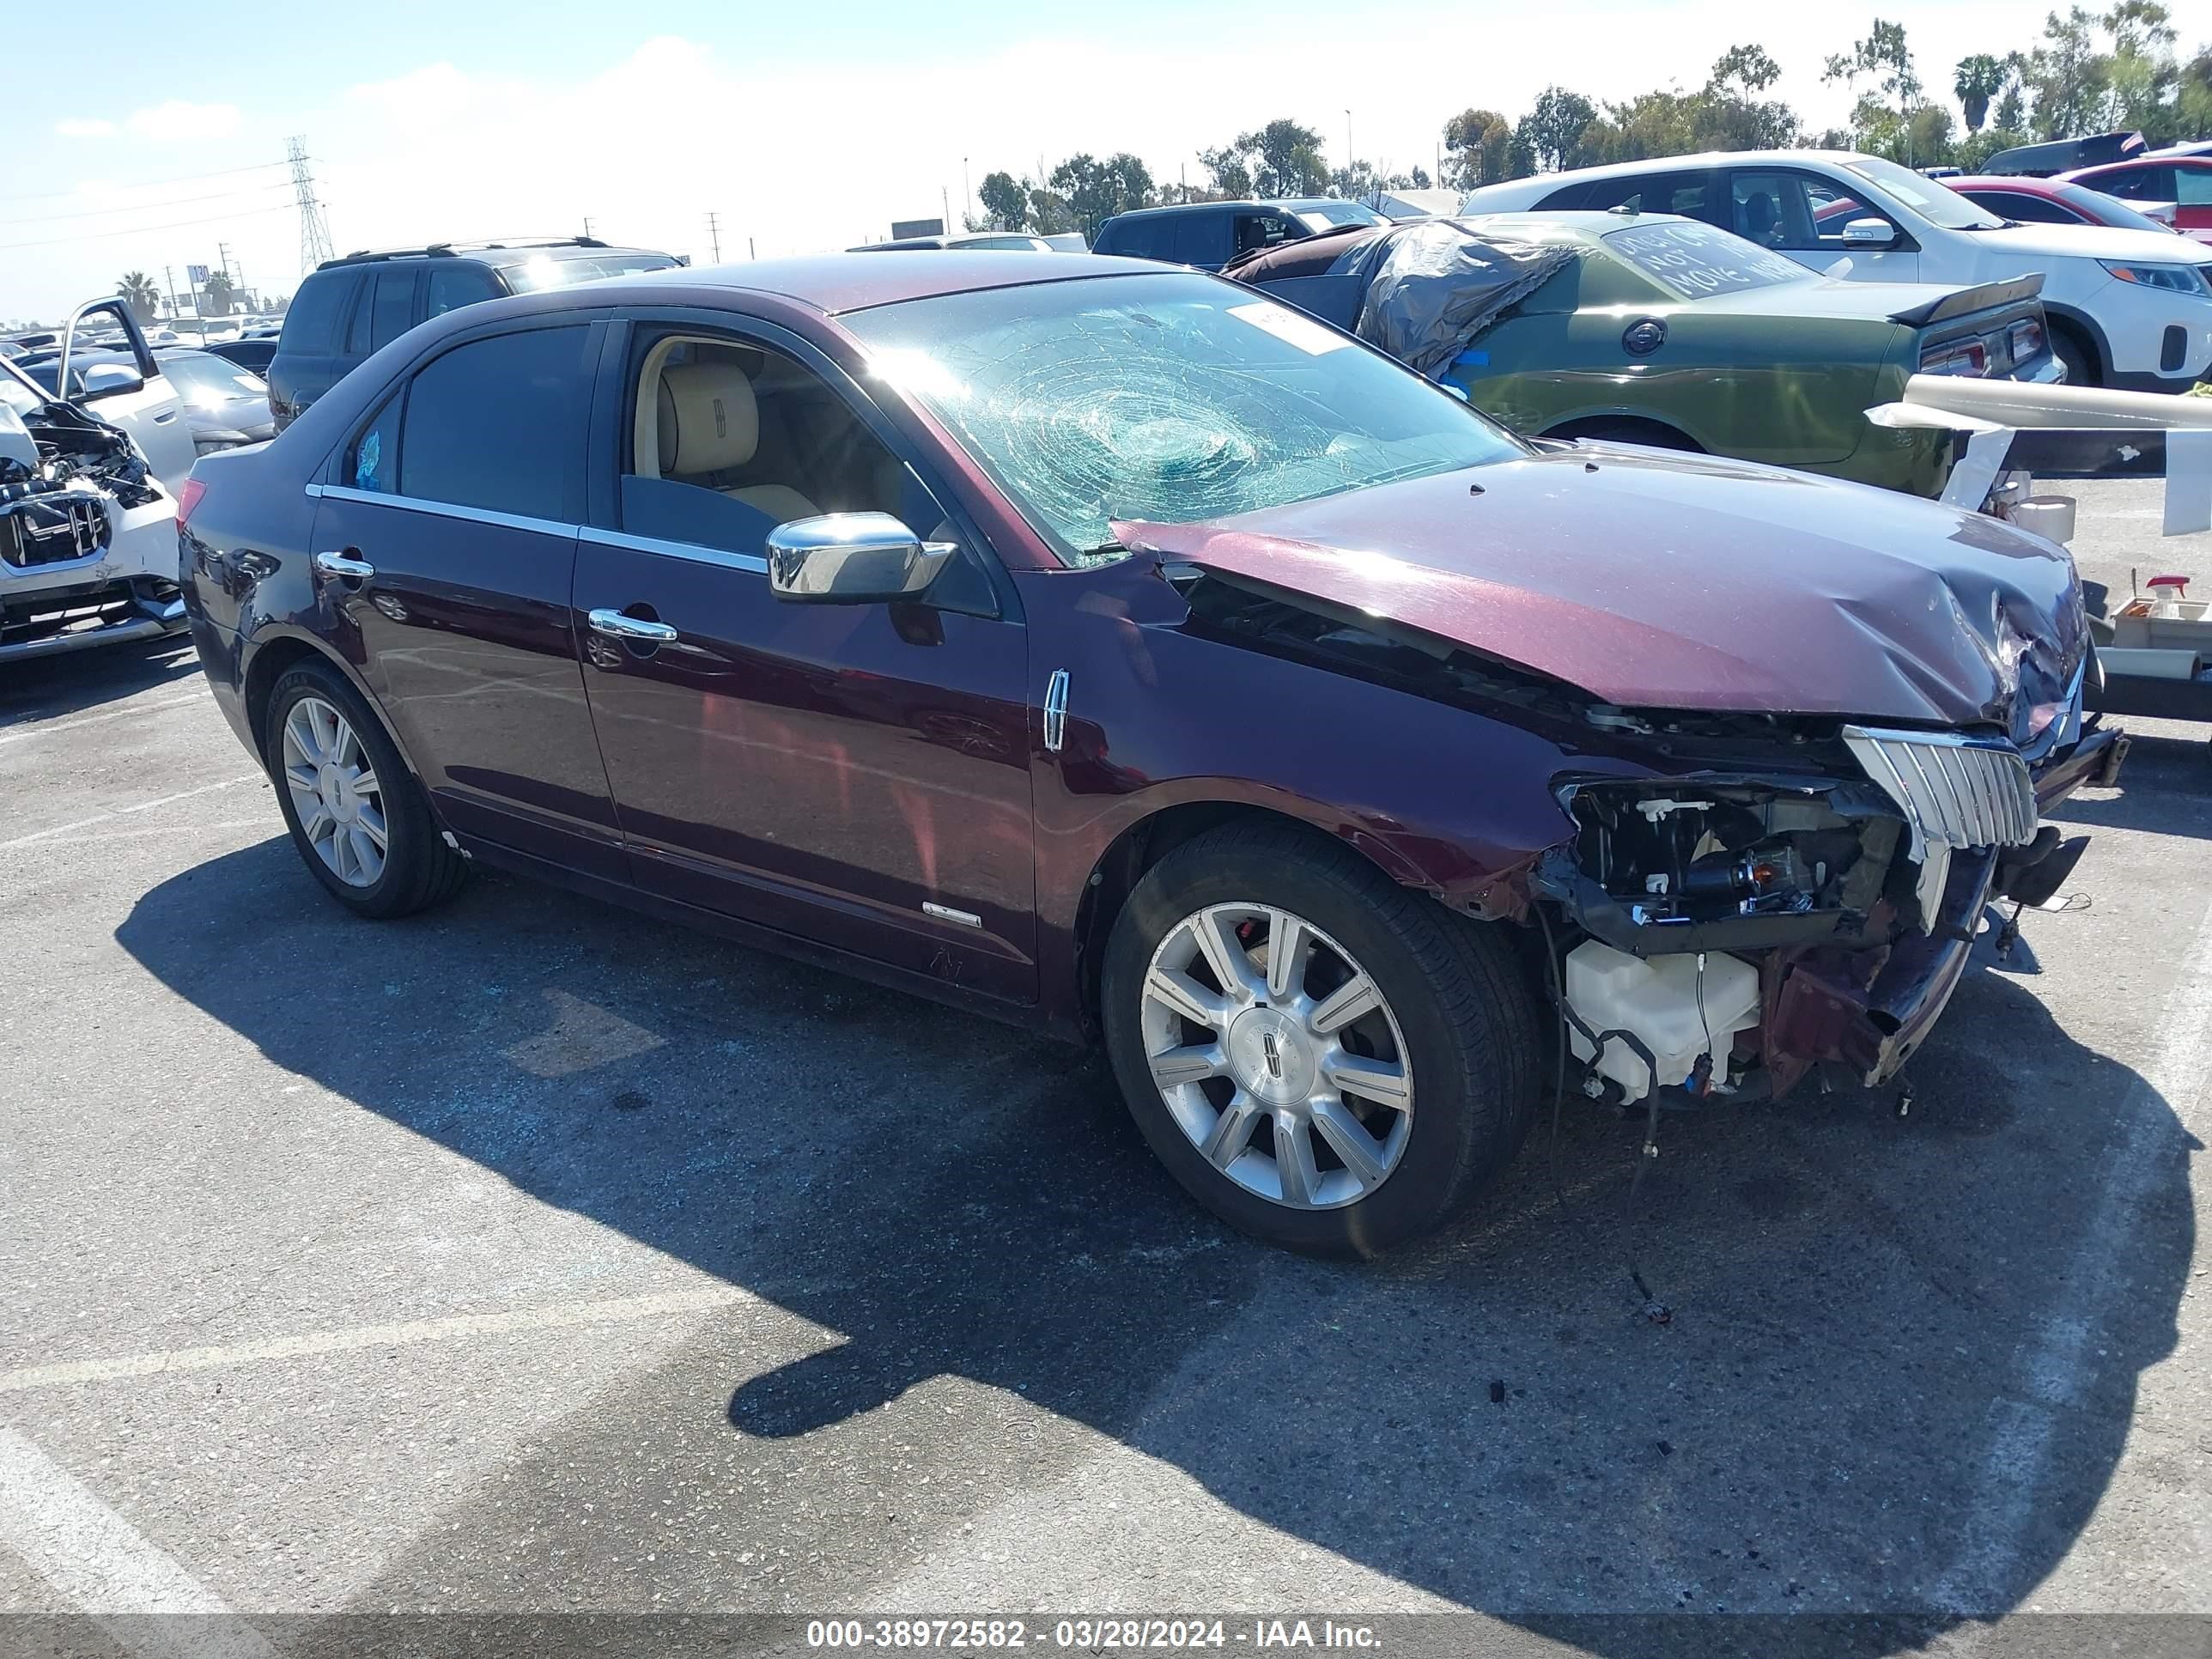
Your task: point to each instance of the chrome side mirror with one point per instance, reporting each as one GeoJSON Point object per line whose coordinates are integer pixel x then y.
{"type": "Point", "coordinates": [1870, 234]}
{"type": "Point", "coordinates": [107, 380]}
{"type": "Point", "coordinates": [851, 558]}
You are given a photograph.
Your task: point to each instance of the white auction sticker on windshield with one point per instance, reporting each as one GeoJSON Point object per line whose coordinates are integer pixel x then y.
{"type": "Point", "coordinates": [1307, 336]}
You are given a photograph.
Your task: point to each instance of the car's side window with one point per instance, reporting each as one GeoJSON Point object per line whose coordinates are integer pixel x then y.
{"type": "Point", "coordinates": [2138, 184]}
{"type": "Point", "coordinates": [1200, 238]}
{"type": "Point", "coordinates": [1690, 194]}
{"type": "Point", "coordinates": [1771, 210]}
{"type": "Point", "coordinates": [500, 423]}
{"type": "Point", "coordinates": [316, 314]}
{"type": "Point", "coordinates": [455, 286]}
{"type": "Point", "coordinates": [2029, 209]}
{"type": "Point", "coordinates": [2192, 187]}
{"type": "Point", "coordinates": [729, 438]}
{"type": "Point", "coordinates": [372, 461]}
{"type": "Point", "coordinates": [1144, 238]}
{"type": "Point", "coordinates": [1266, 230]}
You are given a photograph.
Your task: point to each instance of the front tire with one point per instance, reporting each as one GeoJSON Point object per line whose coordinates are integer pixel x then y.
{"type": "Point", "coordinates": [358, 818]}
{"type": "Point", "coordinates": [2079, 363]}
{"type": "Point", "coordinates": [1326, 1060]}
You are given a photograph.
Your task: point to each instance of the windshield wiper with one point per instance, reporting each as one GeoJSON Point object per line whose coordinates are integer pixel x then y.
{"type": "Point", "coordinates": [2002, 224]}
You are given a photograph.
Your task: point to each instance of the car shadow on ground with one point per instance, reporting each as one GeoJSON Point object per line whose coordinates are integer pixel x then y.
{"type": "Point", "coordinates": [47, 688]}
{"type": "Point", "coordinates": [1896, 1379]}
{"type": "Point", "coordinates": [2166, 787]}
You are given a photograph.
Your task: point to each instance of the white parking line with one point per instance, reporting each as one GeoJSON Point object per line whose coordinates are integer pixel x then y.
{"type": "Point", "coordinates": [135, 1588]}
{"type": "Point", "coordinates": [14, 735]}
{"type": "Point", "coordinates": [2055, 1365]}
{"type": "Point", "coordinates": [123, 811]}
{"type": "Point", "coordinates": [397, 1335]}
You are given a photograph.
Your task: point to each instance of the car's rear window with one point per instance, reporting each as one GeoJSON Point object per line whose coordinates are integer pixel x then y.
{"type": "Point", "coordinates": [1696, 261]}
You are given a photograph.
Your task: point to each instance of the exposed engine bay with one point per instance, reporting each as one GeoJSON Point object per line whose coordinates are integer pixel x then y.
{"type": "Point", "coordinates": [1792, 890]}
{"type": "Point", "coordinates": [87, 541]}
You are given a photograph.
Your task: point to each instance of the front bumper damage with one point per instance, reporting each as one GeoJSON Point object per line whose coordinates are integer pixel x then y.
{"type": "Point", "coordinates": [1860, 986]}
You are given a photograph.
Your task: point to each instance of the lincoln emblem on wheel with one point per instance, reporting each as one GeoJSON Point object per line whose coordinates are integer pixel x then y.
{"type": "Point", "coordinates": [1410, 765]}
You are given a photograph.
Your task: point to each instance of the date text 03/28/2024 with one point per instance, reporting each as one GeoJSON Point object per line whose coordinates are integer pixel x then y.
{"type": "Point", "coordinates": [1113, 1633]}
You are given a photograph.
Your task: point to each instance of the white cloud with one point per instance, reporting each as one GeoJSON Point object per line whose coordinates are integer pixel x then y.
{"type": "Point", "coordinates": [77, 127]}
{"type": "Point", "coordinates": [179, 122]}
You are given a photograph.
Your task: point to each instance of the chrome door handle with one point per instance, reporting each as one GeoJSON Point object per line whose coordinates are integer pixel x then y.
{"type": "Point", "coordinates": [341, 564]}
{"type": "Point", "coordinates": [615, 625]}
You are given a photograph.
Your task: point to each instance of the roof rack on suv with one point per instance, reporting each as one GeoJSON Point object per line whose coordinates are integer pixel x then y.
{"type": "Point", "coordinates": [448, 250]}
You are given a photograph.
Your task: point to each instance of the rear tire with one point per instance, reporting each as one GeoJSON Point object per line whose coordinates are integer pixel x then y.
{"type": "Point", "coordinates": [331, 758]}
{"type": "Point", "coordinates": [1452, 1033]}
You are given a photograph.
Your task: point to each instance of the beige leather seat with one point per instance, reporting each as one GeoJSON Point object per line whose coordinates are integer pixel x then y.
{"type": "Point", "coordinates": [709, 423]}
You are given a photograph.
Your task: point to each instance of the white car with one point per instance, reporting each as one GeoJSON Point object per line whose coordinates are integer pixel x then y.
{"type": "Point", "coordinates": [136, 396]}
{"type": "Point", "coordinates": [2129, 308]}
{"type": "Point", "coordinates": [87, 535]}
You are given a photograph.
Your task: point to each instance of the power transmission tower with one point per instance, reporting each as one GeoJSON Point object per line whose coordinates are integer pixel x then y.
{"type": "Point", "coordinates": [715, 234]}
{"type": "Point", "coordinates": [314, 234]}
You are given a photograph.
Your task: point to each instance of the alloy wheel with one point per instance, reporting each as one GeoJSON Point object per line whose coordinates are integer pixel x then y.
{"type": "Point", "coordinates": [334, 792]}
{"type": "Point", "coordinates": [1278, 1055]}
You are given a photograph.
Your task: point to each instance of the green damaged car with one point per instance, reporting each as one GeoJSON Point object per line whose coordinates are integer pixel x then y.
{"type": "Point", "coordinates": [1654, 329]}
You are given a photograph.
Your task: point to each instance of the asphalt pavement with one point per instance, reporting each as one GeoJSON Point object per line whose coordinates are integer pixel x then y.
{"type": "Point", "coordinates": [535, 1257]}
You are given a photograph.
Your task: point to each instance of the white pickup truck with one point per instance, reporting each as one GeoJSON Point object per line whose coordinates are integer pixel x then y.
{"type": "Point", "coordinates": [87, 531]}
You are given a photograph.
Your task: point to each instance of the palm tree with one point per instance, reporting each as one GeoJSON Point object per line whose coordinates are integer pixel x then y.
{"type": "Point", "coordinates": [1979, 79]}
{"type": "Point", "coordinates": [138, 292]}
{"type": "Point", "coordinates": [214, 297]}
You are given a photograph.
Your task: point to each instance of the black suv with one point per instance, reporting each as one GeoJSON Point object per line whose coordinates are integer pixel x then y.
{"type": "Point", "coordinates": [1209, 234]}
{"type": "Point", "coordinates": [347, 308]}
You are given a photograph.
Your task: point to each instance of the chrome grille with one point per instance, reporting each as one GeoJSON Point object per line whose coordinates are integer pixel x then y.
{"type": "Point", "coordinates": [1955, 793]}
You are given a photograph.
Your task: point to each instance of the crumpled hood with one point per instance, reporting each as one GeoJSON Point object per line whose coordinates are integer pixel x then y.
{"type": "Point", "coordinates": [1657, 581]}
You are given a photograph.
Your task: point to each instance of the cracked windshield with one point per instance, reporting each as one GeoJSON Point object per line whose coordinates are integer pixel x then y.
{"type": "Point", "coordinates": [1167, 398]}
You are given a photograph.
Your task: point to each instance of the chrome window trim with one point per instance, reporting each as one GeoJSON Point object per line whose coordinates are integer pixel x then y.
{"type": "Point", "coordinates": [695, 551]}
{"type": "Point", "coordinates": [446, 510]}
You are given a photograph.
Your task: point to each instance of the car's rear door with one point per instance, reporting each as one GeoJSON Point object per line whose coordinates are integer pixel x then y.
{"type": "Point", "coordinates": [854, 775]}
{"type": "Point", "coordinates": [445, 544]}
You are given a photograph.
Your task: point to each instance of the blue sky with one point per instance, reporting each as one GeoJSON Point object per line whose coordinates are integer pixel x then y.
{"type": "Point", "coordinates": [799, 127]}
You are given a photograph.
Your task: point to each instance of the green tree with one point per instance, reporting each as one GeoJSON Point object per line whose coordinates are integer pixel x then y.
{"type": "Point", "coordinates": [2066, 76]}
{"type": "Point", "coordinates": [138, 292]}
{"type": "Point", "coordinates": [1284, 159]}
{"type": "Point", "coordinates": [1232, 174]}
{"type": "Point", "coordinates": [1730, 114]}
{"type": "Point", "coordinates": [1005, 201]}
{"type": "Point", "coordinates": [216, 294]}
{"type": "Point", "coordinates": [1553, 131]}
{"type": "Point", "coordinates": [1977, 80]}
{"type": "Point", "coordinates": [1475, 143]}
{"type": "Point", "coordinates": [1743, 72]}
{"type": "Point", "coordinates": [1096, 190]}
{"type": "Point", "coordinates": [1884, 59]}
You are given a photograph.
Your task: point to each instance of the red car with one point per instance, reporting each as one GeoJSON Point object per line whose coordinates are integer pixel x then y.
{"type": "Point", "coordinates": [1107, 647]}
{"type": "Point", "coordinates": [2181, 182]}
{"type": "Point", "coordinates": [2055, 202]}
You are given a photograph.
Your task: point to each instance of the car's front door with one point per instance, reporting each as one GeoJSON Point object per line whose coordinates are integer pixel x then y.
{"type": "Point", "coordinates": [445, 541]}
{"type": "Point", "coordinates": [857, 774]}
{"type": "Point", "coordinates": [1806, 214]}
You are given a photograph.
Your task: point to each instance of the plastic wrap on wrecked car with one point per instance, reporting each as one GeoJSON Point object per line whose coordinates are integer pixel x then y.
{"type": "Point", "coordinates": [1437, 286]}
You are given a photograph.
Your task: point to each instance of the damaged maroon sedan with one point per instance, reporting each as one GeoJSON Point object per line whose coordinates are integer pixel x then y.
{"type": "Point", "coordinates": [1112, 649]}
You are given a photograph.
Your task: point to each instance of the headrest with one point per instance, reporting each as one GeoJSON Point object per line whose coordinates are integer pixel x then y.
{"type": "Point", "coordinates": [708, 421]}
